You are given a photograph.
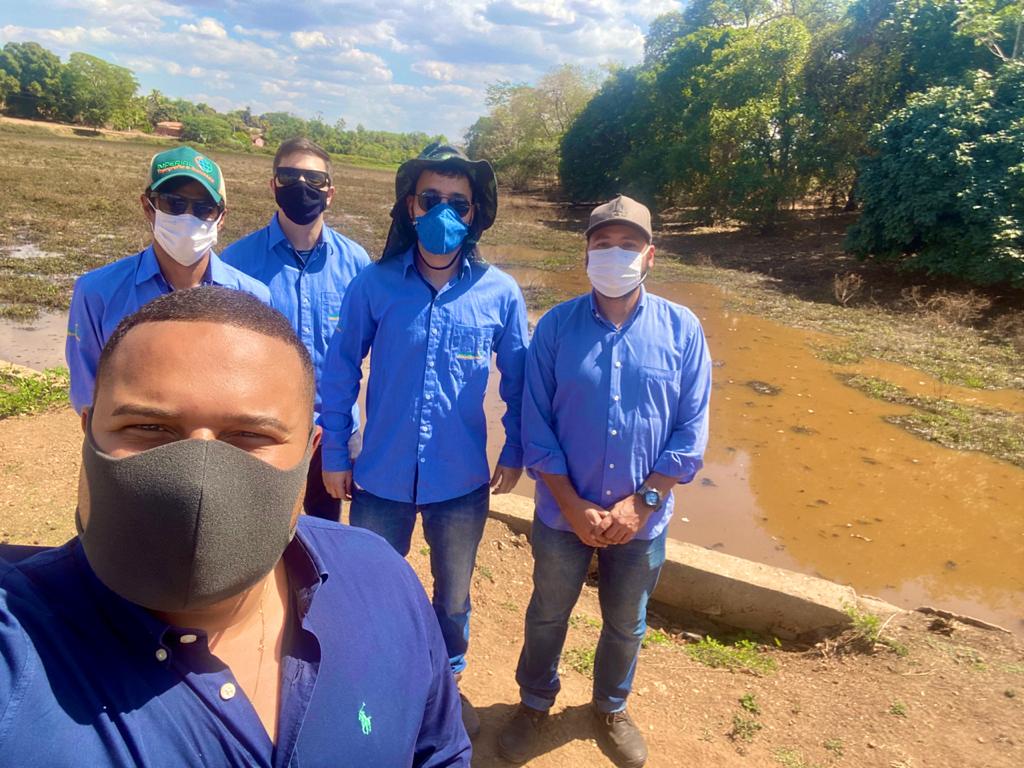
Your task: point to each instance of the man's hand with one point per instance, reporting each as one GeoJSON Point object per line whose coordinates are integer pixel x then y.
{"type": "Point", "coordinates": [586, 520]}
{"type": "Point", "coordinates": [504, 478]}
{"type": "Point", "coordinates": [623, 521]}
{"type": "Point", "coordinates": [339, 484]}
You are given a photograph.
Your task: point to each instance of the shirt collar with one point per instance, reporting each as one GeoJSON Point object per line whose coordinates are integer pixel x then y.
{"type": "Point", "coordinates": [149, 268]}
{"type": "Point", "coordinates": [277, 236]}
{"type": "Point", "coordinates": [409, 262]}
{"type": "Point", "coordinates": [641, 303]}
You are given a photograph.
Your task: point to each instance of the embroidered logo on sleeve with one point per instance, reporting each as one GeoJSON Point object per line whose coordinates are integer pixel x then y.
{"type": "Point", "coordinates": [365, 721]}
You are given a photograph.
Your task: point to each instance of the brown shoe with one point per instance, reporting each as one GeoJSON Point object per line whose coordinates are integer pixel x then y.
{"type": "Point", "coordinates": [621, 739]}
{"type": "Point", "coordinates": [517, 743]}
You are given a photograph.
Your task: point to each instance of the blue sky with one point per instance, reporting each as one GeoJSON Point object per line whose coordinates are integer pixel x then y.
{"type": "Point", "coordinates": [398, 65]}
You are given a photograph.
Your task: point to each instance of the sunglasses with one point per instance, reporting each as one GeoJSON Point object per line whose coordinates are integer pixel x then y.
{"type": "Point", "coordinates": [429, 198]}
{"type": "Point", "coordinates": [285, 177]}
{"type": "Point", "coordinates": [176, 205]}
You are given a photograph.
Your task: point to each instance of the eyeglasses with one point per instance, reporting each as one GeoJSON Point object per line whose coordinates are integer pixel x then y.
{"type": "Point", "coordinates": [429, 198]}
{"type": "Point", "coordinates": [176, 205]}
{"type": "Point", "coordinates": [285, 177]}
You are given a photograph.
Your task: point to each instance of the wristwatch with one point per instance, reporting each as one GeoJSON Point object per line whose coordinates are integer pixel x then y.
{"type": "Point", "coordinates": [651, 497]}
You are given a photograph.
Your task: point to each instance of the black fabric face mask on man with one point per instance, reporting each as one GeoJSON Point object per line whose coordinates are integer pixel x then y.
{"type": "Point", "coordinates": [187, 524]}
{"type": "Point", "coordinates": [300, 202]}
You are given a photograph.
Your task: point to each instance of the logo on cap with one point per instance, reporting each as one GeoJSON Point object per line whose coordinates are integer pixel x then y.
{"type": "Point", "coordinates": [204, 164]}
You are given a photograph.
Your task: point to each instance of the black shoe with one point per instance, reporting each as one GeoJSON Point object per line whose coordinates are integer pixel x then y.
{"type": "Point", "coordinates": [470, 719]}
{"type": "Point", "coordinates": [621, 739]}
{"type": "Point", "coordinates": [517, 743]}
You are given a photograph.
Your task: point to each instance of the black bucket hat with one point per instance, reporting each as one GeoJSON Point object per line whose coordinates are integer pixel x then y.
{"type": "Point", "coordinates": [402, 234]}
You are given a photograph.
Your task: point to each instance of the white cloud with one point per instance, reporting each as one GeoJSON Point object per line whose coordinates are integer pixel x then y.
{"type": "Point", "coordinates": [263, 34]}
{"type": "Point", "coordinates": [314, 39]}
{"type": "Point", "coordinates": [206, 27]}
{"type": "Point", "coordinates": [436, 70]}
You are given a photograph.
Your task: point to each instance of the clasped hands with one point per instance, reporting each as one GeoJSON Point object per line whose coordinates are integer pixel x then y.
{"type": "Point", "coordinates": [599, 527]}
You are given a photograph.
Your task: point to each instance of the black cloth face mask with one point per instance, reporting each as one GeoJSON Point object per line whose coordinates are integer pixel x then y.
{"type": "Point", "coordinates": [187, 524]}
{"type": "Point", "coordinates": [300, 202]}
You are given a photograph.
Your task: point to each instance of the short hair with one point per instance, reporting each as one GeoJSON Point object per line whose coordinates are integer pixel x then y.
{"type": "Point", "coordinates": [300, 144]}
{"type": "Point", "coordinates": [211, 304]}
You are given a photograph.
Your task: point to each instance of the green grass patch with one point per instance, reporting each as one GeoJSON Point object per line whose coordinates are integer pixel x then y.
{"type": "Point", "coordinates": [744, 728]}
{"type": "Point", "coordinates": [898, 709]}
{"type": "Point", "coordinates": [581, 660]}
{"type": "Point", "coordinates": [583, 620]}
{"type": "Point", "coordinates": [655, 637]}
{"type": "Point", "coordinates": [25, 393]}
{"type": "Point", "coordinates": [999, 434]}
{"type": "Point", "coordinates": [743, 656]}
{"type": "Point", "coordinates": [842, 355]}
{"type": "Point", "coordinates": [792, 758]}
{"type": "Point", "coordinates": [749, 703]}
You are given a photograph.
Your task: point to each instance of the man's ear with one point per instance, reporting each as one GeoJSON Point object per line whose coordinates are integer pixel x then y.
{"type": "Point", "coordinates": [220, 224]}
{"type": "Point", "coordinates": [410, 201]}
{"type": "Point", "coordinates": [147, 209]}
{"type": "Point", "coordinates": [649, 260]}
{"type": "Point", "coordinates": [318, 433]}
{"type": "Point", "coordinates": [85, 418]}
{"type": "Point", "coordinates": [330, 195]}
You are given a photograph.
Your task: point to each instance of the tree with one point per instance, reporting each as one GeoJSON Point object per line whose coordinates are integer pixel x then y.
{"type": "Point", "coordinates": [206, 129]}
{"type": "Point", "coordinates": [944, 191]}
{"type": "Point", "coordinates": [131, 116]}
{"type": "Point", "coordinates": [38, 73]}
{"type": "Point", "coordinates": [92, 90]}
{"type": "Point", "coordinates": [998, 25]}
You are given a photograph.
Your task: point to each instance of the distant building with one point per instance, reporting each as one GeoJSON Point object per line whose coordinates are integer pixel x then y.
{"type": "Point", "coordinates": [169, 128]}
{"type": "Point", "coordinates": [258, 141]}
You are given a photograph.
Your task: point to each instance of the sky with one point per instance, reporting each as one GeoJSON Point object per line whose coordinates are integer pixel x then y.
{"type": "Point", "coordinates": [398, 65]}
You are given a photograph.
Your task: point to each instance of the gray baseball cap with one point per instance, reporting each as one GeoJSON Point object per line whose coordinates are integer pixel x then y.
{"type": "Point", "coordinates": [621, 210]}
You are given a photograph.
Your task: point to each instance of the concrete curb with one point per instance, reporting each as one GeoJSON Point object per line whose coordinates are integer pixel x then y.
{"type": "Point", "coordinates": [731, 591]}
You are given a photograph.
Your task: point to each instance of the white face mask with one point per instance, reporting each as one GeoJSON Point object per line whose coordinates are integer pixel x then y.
{"type": "Point", "coordinates": [614, 272]}
{"type": "Point", "coordinates": [185, 238]}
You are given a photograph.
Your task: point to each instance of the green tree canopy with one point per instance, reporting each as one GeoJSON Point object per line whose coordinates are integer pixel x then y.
{"type": "Point", "coordinates": [92, 90]}
{"type": "Point", "coordinates": [38, 74]}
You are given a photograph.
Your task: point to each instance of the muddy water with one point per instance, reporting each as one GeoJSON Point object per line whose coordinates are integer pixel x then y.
{"type": "Point", "coordinates": [35, 343]}
{"type": "Point", "coordinates": [813, 479]}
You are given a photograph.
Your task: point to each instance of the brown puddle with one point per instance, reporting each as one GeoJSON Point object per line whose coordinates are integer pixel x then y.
{"type": "Point", "coordinates": [813, 479]}
{"type": "Point", "coordinates": [35, 343]}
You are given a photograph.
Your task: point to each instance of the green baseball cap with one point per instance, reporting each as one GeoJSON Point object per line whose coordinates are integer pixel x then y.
{"type": "Point", "coordinates": [186, 162]}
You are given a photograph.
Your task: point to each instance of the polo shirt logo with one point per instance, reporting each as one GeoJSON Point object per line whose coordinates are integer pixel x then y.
{"type": "Point", "coordinates": [365, 721]}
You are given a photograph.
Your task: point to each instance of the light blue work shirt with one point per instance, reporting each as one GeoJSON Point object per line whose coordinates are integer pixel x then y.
{"type": "Point", "coordinates": [608, 406]}
{"type": "Point", "coordinates": [425, 438]}
{"type": "Point", "coordinates": [103, 297]}
{"type": "Point", "coordinates": [307, 292]}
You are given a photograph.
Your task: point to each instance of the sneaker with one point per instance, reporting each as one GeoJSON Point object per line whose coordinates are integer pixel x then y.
{"type": "Point", "coordinates": [470, 719]}
{"type": "Point", "coordinates": [517, 743]}
{"type": "Point", "coordinates": [620, 738]}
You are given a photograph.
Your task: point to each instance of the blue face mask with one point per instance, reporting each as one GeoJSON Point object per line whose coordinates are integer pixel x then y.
{"type": "Point", "coordinates": [441, 230]}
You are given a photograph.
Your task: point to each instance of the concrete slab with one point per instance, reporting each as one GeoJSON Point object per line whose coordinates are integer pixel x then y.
{"type": "Point", "coordinates": [731, 591]}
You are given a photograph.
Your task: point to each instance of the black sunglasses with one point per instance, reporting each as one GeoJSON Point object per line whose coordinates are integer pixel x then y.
{"type": "Point", "coordinates": [176, 205]}
{"type": "Point", "coordinates": [287, 176]}
{"type": "Point", "coordinates": [429, 198]}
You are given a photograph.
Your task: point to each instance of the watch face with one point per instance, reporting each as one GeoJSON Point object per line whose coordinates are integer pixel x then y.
{"type": "Point", "coordinates": [651, 498]}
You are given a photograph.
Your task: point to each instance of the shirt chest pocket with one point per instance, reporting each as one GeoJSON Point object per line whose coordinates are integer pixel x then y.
{"type": "Point", "coordinates": [330, 309]}
{"type": "Point", "coordinates": [470, 349]}
{"type": "Point", "coordinates": [658, 394]}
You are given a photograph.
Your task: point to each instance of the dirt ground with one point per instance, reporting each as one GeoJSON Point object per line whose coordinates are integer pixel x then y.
{"type": "Point", "coordinates": [954, 699]}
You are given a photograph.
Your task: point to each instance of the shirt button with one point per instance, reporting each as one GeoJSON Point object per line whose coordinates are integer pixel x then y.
{"type": "Point", "coordinates": [611, 466]}
{"type": "Point", "coordinates": [227, 691]}
{"type": "Point", "coordinates": [618, 363]}
{"type": "Point", "coordinates": [161, 654]}
{"type": "Point", "coordinates": [306, 302]}
{"type": "Point", "coordinates": [430, 363]}
{"type": "Point", "coordinates": [607, 493]}
{"type": "Point", "coordinates": [187, 639]}
{"type": "Point", "coordinates": [433, 331]}
{"type": "Point", "coordinates": [427, 396]}
{"type": "Point", "coordinates": [422, 460]}
{"type": "Point", "coordinates": [615, 432]}
{"type": "Point", "coordinates": [424, 428]}
{"type": "Point", "coordinates": [615, 398]}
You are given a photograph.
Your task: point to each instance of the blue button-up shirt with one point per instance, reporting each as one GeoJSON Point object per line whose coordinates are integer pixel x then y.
{"type": "Point", "coordinates": [87, 678]}
{"type": "Point", "coordinates": [103, 297]}
{"type": "Point", "coordinates": [308, 293]}
{"type": "Point", "coordinates": [608, 407]}
{"type": "Point", "coordinates": [426, 435]}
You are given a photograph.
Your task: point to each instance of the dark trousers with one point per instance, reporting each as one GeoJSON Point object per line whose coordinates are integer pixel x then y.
{"type": "Point", "coordinates": [318, 502]}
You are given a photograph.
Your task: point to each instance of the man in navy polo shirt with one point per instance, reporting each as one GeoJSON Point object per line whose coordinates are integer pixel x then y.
{"type": "Point", "coordinates": [615, 415]}
{"type": "Point", "coordinates": [198, 618]}
{"type": "Point", "coordinates": [184, 204]}
{"type": "Point", "coordinates": [307, 265]}
{"type": "Point", "coordinates": [434, 313]}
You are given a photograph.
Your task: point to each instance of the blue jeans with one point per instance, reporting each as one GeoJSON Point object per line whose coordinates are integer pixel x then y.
{"type": "Point", "coordinates": [453, 530]}
{"type": "Point", "coordinates": [628, 575]}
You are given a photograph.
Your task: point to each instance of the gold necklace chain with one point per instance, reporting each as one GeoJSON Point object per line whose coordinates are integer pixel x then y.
{"type": "Point", "coordinates": [263, 639]}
